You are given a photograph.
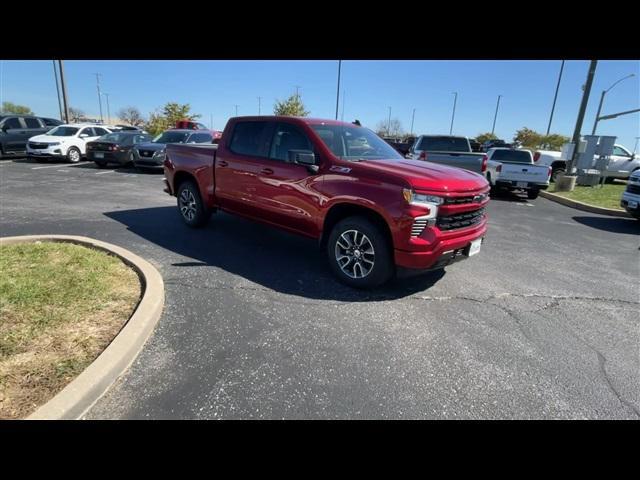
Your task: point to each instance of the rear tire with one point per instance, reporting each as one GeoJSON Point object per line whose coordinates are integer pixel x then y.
{"type": "Point", "coordinates": [190, 205]}
{"type": "Point", "coordinates": [533, 193]}
{"type": "Point", "coordinates": [359, 253]}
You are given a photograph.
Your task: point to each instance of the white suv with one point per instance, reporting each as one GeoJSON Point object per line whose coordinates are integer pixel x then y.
{"type": "Point", "coordinates": [65, 142]}
{"type": "Point", "coordinates": [630, 200]}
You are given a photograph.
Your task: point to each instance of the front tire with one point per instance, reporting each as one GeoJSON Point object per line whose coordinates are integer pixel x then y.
{"type": "Point", "coordinates": [190, 205]}
{"type": "Point", "coordinates": [74, 155]}
{"type": "Point", "coordinates": [359, 253]}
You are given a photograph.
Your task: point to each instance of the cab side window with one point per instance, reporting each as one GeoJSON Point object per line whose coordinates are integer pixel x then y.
{"type": "Point", "coordinates": [32, 122]}
{"type": "Point", "coordinates": [288, 137]}
{"type": "Point", "coordinates": [201, 138]}
{"type": "Point", "coordinates": [12, 123]}
{"type": "Point", "coordinates": [250, 138]}
{"type": "Point", "coordinates": [620, 152]}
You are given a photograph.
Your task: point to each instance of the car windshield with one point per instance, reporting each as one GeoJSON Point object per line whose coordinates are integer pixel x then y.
{"type": "Point", "coordinates": [444, 144]}
{"type": "Point", "coordinates": [171, 137]}
{"type": "Point", "coordinates": [512, 156]}
{"type": "Point", "coordinates": [355, 143]}
{"type": "Point", "coordinates": [63, 131]}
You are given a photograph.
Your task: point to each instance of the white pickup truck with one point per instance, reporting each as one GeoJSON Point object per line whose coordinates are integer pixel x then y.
{"type": "Point", "coordinates": [509, 169]}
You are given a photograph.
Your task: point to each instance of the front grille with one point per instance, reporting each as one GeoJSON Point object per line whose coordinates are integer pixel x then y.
{"type": "Point", "coordinates": [460, 220]}
{"type": "Point", "coordinates": [481, 197]}
{"type": "Point", "coordinates": [146, 153]}
{"type": "Point", "coordinates": [37, 146]}
{"type": "Point", "coordinates": [419, 224]}
{"type": "Point", "coordinates": [633, 188]}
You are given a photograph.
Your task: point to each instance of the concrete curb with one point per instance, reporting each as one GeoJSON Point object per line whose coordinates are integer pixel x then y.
{"type": "Point", "coordinates": [583, 206]}
{"type": "Point", "coordinates": [74, 400]}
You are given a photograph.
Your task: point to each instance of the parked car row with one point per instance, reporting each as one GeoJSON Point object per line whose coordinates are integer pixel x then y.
{"type": "Point", "coordinates": [16, 130]}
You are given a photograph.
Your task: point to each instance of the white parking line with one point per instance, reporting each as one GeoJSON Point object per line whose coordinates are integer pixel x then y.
{"type": "Point", "coordinates": [108, 171]}
{"type": "Point", "coordinates": [51, 166]}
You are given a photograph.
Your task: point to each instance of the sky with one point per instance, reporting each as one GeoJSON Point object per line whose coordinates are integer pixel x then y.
{"type": "Point", "coordinates": [367, 90]}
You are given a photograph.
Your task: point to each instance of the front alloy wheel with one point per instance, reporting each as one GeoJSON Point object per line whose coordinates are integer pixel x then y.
{"type": "Point", "coordinates": [355, 254]}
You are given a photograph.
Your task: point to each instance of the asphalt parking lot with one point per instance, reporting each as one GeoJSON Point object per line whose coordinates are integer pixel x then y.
{"type": "Point", "coordinates": [543, 323]}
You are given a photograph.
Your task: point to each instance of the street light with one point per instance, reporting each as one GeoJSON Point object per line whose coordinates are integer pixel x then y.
{"type": "Point", "coordinates": [496, 115]}
{"type": "Point", "coordinates": [604, 92]}
{"type": "Point", "coordinates": [389, 124]}
{"type": "Point", "coordinates": [455, 99]}
{"type": "Point", "coordinates": [108, 111]}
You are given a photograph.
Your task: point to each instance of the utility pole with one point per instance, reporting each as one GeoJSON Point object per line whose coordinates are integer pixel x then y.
{"type": "Point", "coordinates": [604, 92]}
{"type": "Point", "coordinates": [496, 115]}
{"type": "Point", "coordinates": [555, 97]}
{"type": "Point", "coordinates": [55, 74]}
{"type": "Point", "coordinates": [413, 116]}
{"type": "Point", "coordinates": [389, 123]}
{"type": "Point", "coordinates": [259, 102]}
{"type": "Point", "coordinates": [236, 110]}
{"type": "Point", "coordinates": [108, 111]}
{"type": "Point", "coordinates": [338, 89]}
{"type": "Point", "coordinates": [64, 92]}
{"type": "Point", "coordinates": [344, 99]}
{"type": "Point", "coordinates": [581, 112]}
{"type": "Point", "coordinates": [453, 115]}
{"type": "Point", "coordinates": [98, 75]}
{"type": "Point", "coordinates": [297, 88]}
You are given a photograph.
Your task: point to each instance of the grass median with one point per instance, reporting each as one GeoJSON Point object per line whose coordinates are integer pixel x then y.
{"type": "Point", "coordinates": [607, 196]}
{"type": "Point", "coordinates": [61, 304]}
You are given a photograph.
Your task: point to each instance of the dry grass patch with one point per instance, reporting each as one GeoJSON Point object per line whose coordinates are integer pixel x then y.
{"type": "Point", "coordinates": [60, 305]}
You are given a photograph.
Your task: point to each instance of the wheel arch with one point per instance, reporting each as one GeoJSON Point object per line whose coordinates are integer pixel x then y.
{"type": "Point", "coordinates": [342, 210]}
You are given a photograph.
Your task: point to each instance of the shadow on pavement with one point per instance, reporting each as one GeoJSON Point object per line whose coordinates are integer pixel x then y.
{"type": "Point", "coordinates": [275, 259]}
{"type": "Point", "coordinates": [507, 196]}
{"type": "Point", "coordinates": [611, 224]}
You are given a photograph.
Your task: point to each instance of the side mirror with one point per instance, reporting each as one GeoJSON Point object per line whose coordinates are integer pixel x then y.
{"type": "Point", "coordinates": [304, 157]}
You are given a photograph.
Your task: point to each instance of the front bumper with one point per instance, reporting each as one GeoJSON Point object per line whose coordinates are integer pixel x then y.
{"type": "Point", "coordinates": [148, 162]}
{"type": "Point", "coordinates": [627, 203]}
{"type": "Point", "coordinates": [54, 151]}
{"type": "Point", "coordinates": [446, 249]}
{"type": "Point", "coordinates": [107, 157]}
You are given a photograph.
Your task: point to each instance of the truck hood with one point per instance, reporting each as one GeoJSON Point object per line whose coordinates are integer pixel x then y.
{"type": "Point", "coordinates": [422, 175]}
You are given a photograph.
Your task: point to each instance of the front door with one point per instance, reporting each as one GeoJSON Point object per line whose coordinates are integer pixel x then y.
{"type": "Point", "coordinates": [15, 135]}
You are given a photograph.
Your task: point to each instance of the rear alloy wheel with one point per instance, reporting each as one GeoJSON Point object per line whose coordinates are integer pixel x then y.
{"type": "Point", "coordinates": [191, 207]}
{"type": "Point", "coordinates": [359, 254]}
{"type": "Point", "coordinates": [73, 155]}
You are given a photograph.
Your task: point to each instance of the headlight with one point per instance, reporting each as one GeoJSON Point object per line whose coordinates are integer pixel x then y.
{"type": "Point", "coordinates": [420, 199]}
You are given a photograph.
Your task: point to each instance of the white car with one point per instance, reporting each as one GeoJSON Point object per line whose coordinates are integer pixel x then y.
{"type": "Point", "coordinates": [511, 169]}
{"type": "Point", "coordinates": [67, 141]}
{"type": "Point", "coordinates": [630, 200]}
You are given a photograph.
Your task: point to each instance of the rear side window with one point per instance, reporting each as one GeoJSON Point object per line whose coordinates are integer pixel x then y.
{"type": "Point", "coordinates": [88, 131]}
{"type": "Point", "coordinates": [50, 122]}
{"type": "Point", "coordinates": [444, 144]}
{"type": "Point", "coordinates": [32, 122]}
{"type": "Point", "coordinates": [250, 138]}
{"type": "Point", "coordinates": [100, 131]}
{"type": "Point", "coordinates": [288, 137]}
{"type": "Point", "coordinates": [513, 156]}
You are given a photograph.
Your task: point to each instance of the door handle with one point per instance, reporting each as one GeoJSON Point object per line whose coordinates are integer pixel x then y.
{"type": "Point", "coordinates": [266, 171]}
{"type": "Point", "coordinates": [222, 163]}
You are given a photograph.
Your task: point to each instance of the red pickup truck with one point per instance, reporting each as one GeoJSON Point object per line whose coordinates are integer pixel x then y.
{"type": "Point", "coordinates": [371, 210]}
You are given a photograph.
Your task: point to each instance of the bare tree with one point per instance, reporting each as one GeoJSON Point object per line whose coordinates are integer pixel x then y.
{"type": "Point", "coordinates": [75, 114]}
{"type": "Point", "coordinates": [393, 129]}
{"type": "Point", "coordinates": [131, 115]}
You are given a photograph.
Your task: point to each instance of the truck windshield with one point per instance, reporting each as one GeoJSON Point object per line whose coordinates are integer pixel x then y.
{"type": "Point", "coordinates": [512, 156]}
{"type": "Point", "coordinates": [444, 144]}
{"type": "Point", "coordinates": [355, 143]}
{"type": "Point", "coordinates": [63, 131]}
{"type": "Point", "coordinates": [171, 137]}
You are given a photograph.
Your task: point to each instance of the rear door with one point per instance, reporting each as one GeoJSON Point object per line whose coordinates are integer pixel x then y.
{"type": "Point", "coordinates": [620, 162]}
{"type": "Point", "coordinates": [14, 135]}
{"type": "Point", "coordinates": [284, 191]}
{"type": "Point", "coordinates": [34, 126]}
{"type": "Point", "coordinates": [238, 164]}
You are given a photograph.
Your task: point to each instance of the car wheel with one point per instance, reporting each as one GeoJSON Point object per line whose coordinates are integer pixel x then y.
{"type": "Point", "coordinates": [192, 209]}
{"type": "Point", "coordinates": [73, 155]}
{"type": "Point", "coordinates": [556, 172]}
{"type": "Point", "coordinates": [359, 253]}
{"type": "Point", "coordinates": [533, 193]}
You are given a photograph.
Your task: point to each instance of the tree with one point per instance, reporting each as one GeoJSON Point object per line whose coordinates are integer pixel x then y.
{"type": "Point", "coordinates": [8, 107]}
{"type": "Point", "coordinates": [292, 107]}
{"type": "Point", "coordinates": [131, 115]}
{"type": "Point", "coordinates": [161, 120]}
{"type": "Point", "coordinates": [393, 129]}
{"type": "Point", "coordinates": [75, 114]}
{"type": "Point", "coordinates": [483, 137]}
{"type": "Point", "coordinates": [531, 139]}
{"type": "Point", "coordinates": [554, 141]}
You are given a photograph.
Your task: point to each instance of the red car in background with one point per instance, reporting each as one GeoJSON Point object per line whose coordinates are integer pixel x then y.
{"type": "Point", "coordinates": [191, 125]}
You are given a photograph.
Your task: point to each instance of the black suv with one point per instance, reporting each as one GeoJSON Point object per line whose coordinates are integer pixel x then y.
{"type": "Point", "coordinates": [16, 130]}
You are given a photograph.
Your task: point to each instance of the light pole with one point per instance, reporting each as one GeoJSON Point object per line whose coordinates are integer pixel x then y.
{"type": "Point", "coordinates": [64, 92]}
{"type": "Point", "coordinates": [344, 97]}
{"type": "Point", "coordinates": [108, 111]}
{"type": "Point", "coordinates": [259, 101]}
{"type": "Point", "coordinates": [604, 92]}
{"type": "Point", "coordinates": [496, 115]}
{"type": "Point", "coordinates": [453, 115]}
{"type": "Point", "coordinates": [338, 88]}
{"type": "Point", "coordinates": [55, 74]}
{"type": "Point", "coordinates": [236, 110]}
{"type": "Point", "coordinates": [583, 108]}
{"type": "Point", "coordinates": [553, 107]}
{"type": "Point", "coordinates": [413, 116]}
{"type": "Point", "coordinates": [98, 75]}
{"type": "Point", "coordinates": [389, 124]}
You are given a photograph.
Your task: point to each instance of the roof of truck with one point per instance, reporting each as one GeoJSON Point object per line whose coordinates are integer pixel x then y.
{"type": "Point", "coordinates": [307, 120]}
